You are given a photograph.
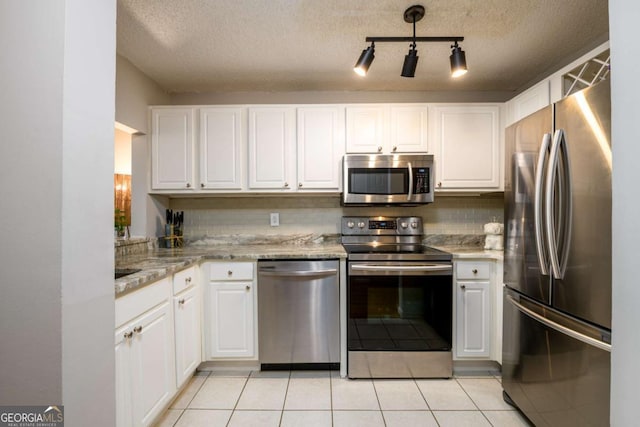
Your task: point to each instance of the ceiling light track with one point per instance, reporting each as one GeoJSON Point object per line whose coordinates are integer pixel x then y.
{"type": "Point", "coordinates": [412, 15]}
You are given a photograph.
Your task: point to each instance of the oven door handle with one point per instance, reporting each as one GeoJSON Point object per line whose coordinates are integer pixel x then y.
{"type": "Point", "coordinates": [424, 267]}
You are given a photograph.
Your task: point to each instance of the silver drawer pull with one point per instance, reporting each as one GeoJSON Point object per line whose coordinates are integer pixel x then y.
{"type": "Point", "coordinates": [558, 327]}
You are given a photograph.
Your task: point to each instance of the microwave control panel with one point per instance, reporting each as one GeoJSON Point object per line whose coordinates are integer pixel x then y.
{"type": "Point", "coordinates": [421, 181]}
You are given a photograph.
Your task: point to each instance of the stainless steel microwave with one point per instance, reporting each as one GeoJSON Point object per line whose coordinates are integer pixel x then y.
{"type": "Point", "coordinates": [387, 179]}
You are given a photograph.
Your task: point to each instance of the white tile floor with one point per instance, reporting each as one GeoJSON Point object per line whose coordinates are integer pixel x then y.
{"type": "Point", "coordinates": [322, 398]}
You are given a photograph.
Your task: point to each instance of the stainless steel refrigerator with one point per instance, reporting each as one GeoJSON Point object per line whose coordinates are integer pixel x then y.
{"type": "Point", "coordinates": [557, 262]}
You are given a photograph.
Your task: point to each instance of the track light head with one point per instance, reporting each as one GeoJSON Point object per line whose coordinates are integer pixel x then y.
{"type": "Point", "coordinates": [458, 61]}
{"type": "Point", "coordinates": [365, 60]}
{"type": "Point", "coordinates": [410, 63]}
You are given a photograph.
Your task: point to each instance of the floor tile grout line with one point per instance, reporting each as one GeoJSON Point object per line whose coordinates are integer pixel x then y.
{"type": "Point", "coordinates": [183, 410]}
{"type": "Point", "coordinates": [246, 380]}
{"type": "Point", "coordinates": [284, 401]}
{"type": "Point", "coordinates": [375, 390]}
{"type": "Point", "coordinates": [468, 395]}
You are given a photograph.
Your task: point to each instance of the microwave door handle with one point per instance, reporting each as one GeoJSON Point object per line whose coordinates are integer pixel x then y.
{"type": "Point", "coordinates": [410, 182]}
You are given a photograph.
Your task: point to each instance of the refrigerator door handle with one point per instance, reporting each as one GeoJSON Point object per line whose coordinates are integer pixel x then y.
{"type": "Point", "coordinates": [541, 249]}
{"type": "Point", "coordinates": [558, 150]}
{"type": "Point", "coordinates": [558, 327]}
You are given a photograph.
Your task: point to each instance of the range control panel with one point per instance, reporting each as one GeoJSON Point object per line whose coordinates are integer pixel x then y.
{"type": "Point", "coordinates": [378, 225]}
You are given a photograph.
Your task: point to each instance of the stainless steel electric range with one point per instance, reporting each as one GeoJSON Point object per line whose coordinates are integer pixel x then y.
{"type": "Point", "coordinates": [399, 300]}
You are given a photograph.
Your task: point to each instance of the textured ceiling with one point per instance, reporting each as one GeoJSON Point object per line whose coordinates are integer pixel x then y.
{"type": "Point", "coordinates": [298, 45]}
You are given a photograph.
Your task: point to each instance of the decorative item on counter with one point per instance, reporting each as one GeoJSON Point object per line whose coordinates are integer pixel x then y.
{"type": "Point", "coordinates": [173, 229]}
{"type": "Point", "coordinates": [493, 239]}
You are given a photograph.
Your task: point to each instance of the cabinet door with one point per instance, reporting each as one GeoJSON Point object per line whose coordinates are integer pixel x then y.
{"type": "Point", "coordinates": [409, 129]}
{"type": "Point", "coordinates": [232, 320]}
{"type": "Point", "coordinates": [529, 101]}
{"type": "Point", "coordinates": [124, 409]}
{"type": "Point", "coordinates": [468, 147]}
{"type": "Point", "coordinates": [221, 148]}
{"type": "Point", "coordinates": [153, 365]}
{"type": "Point", "coordinates": [365, 129]}
{"type": "Point", "coordinates": [271, 148]}
{"type": "Point", "coordinates": [473, 319]}
{"type": "Point", "coordinates": [187, 330]}
{"type": "Point", "coordinates": [172, 148]}
{"type": "Point", "coordinates": [320, 147]}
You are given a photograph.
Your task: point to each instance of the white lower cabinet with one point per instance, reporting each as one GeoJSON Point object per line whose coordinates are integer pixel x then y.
{"type": "Point", "coordinates": [474, 309]}
{"type": "Point", "coordinates": [145, 352]}
{"type": "Point", "coordinates": [186, 309]}
{"type": "Point", "coordinates": [230, 306]}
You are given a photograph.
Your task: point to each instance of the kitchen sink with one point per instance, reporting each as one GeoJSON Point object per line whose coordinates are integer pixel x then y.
{"type": "Point", "coordinates": [121, 272]}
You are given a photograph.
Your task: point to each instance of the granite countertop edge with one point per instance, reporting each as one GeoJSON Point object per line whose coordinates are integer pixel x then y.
{"type": "Point", "coordinates": [160, 263]}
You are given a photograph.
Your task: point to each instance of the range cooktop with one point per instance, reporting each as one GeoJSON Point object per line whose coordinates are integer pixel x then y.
{"type": "Point", "coordinates": [387, 238]}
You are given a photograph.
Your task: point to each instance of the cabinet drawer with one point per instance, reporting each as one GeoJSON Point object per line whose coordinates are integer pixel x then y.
{"type": "Point", "coordinates": [142, 300]}
{"type": "Point", "coordinates": [231, 271]}
{"type": "Point", "coordinates": [184, 279]}
{"type": "Point", "coordinates": [473, 270]}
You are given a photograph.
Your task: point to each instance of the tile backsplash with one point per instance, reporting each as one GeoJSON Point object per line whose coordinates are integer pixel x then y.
{"type": "Point", "coordinates": [321, 214]}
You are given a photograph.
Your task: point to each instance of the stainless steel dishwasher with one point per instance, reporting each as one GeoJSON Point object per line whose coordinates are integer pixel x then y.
{"type": "Point", "coordinates": [298, 314]}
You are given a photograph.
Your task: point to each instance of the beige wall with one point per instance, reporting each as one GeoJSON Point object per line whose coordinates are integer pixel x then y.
{"type": "Point", "coordinates": [134, 93]}
{"type": "Point", "coordinates": [335, 97]}
{"type": "Point", "coordinates": [321, 215]}
{"type": "Point", "coordinates": [122, 153]}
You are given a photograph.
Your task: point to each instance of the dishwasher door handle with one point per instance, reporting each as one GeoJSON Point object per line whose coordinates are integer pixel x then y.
{"type": "Point", "coordinates": [297, 273]}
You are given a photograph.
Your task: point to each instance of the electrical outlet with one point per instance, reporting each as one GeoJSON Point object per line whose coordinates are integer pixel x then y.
{"type": "Point", "coordinates": [274, 219]}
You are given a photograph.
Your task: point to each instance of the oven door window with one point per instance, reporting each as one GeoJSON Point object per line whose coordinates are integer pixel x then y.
{"type": "Point", "coordinates": [379, 181]}
{"type": "Point", "coordinates": [399, 313]}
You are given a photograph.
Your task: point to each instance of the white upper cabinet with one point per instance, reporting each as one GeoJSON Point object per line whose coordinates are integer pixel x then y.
{"type": "Point", "coordinates": [387, 129]}
{"type": "Point", "coordinates": [528, 102]}
{"type": "Point", "coordinates": [272, 148]}
{"type": "Point", "coordinates": [172, 146]}
{"type": "Point", "coordinates": [409, 129]}
{"type": "Point", "coordinates": [222, 147]}
{"type": "Point", "coordinates": [467, 142]}
{"type": "Point", "coordinates": [320, 145]}
{"type": "Point", "coordinates": [365, 129]}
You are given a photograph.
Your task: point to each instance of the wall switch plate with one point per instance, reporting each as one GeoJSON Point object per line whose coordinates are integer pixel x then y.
{"type": "Point", "coordinates": [274, 219]}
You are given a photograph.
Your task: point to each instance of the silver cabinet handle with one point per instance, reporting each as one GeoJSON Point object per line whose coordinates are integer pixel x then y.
{"type": "Point", "coordinates": [137, 329]}
{"type": "Point", "coordinates": [541, 249]}
{"type": "Point", "coordinates": [558, 327]}
{"type": "Point", "coordinates": [248, 287]}
{"type": "Point", "coordinates": [188, 185]}
{"type": "Point", "coordinates": [181, 301]}
{"type": "Point", "coordinates": [187, 280]}
{"type": "Point", "coordinates": [128, 335]}
{"type": "Point", "coordinates": [202, 184]}
{"type": "Point", "coordinates": [395, 148]}
{"type": "Point", "coordinates": [474, 271]}
{"type": "Point", "coordinates": [379, 148]}
{"type": "Point", "coordinates": [463, 287]}
{"type": "Point", "coordinates": [439, 184]}
{"type": "Point", "coordinates": [300, 185]}
{"type": "Point", "coordinates": [286, 185]}
{"type": "Point", "coordinates": [229, 273]}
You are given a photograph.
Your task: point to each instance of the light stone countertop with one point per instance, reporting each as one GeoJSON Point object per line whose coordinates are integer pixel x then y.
{"type": "Point", "coordinates": [160, 263]}
{"type": "Point", "coordinates": [471, 252]}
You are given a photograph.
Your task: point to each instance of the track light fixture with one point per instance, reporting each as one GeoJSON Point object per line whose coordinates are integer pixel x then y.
{"type": "Point", "coordinates": [458, 61]}
{"type": "Point", "coordinates": [413, 15]}
{"type": "Point", "coordinates": [365, 60]}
